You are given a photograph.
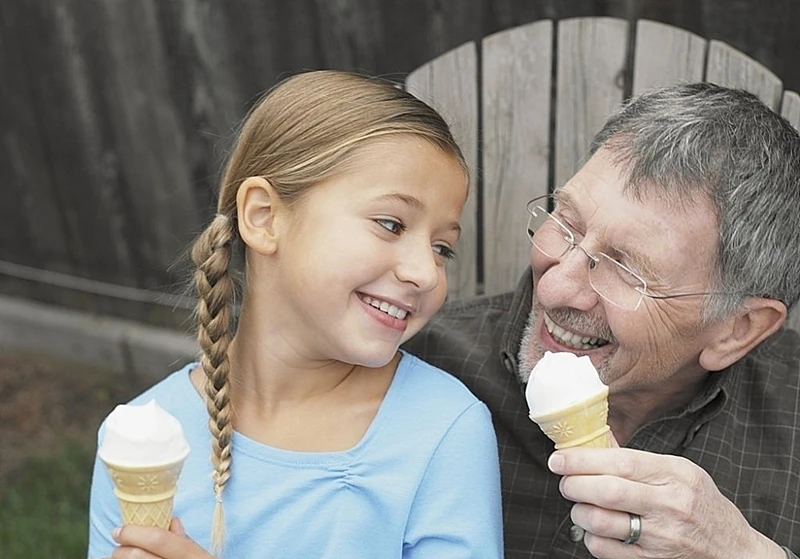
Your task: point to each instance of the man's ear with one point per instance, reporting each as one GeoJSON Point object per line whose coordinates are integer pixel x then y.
{"type": "Point", "coordinates": [742, 332]}
{"type": "Point", "coordinates": [258, 206]}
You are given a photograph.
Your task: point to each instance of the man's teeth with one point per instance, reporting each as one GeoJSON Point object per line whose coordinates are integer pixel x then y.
{"type": "Point", "coordinates": [388, 308]}
{"type": "Point", "coordinates": [570, 339]}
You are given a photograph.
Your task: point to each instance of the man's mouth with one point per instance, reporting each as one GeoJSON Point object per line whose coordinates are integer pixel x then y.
{"type": "Point", "coordinates": [572, 340]}
{"type": "Point", "coordinates": [386, 307]}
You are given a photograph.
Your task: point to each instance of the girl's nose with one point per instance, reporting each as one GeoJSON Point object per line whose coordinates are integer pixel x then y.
{"type": "Point", "coordinates": [418, 266]}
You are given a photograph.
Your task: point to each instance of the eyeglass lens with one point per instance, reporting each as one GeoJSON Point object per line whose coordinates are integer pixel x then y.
{"type": "Point", "coordinates": [607, 277]}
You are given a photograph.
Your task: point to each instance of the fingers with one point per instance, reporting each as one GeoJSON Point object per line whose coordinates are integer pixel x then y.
{"type": "Point", "coordinates": [176, 527]}
{"type": "Point", "coordinates": [126, 552]}
{"type": "Point", "coordinates": [605, 531]}
{"type": "Point", "coordinates": [609, 492]}
{"type": "Point", "coordinates": [611, 524]}
{"type": "Point", "coordinates": [608, 548]}
{"type": "Point", "coordinates": [141, 542]}
{"type": "Point", "coordinates": [635, 465]}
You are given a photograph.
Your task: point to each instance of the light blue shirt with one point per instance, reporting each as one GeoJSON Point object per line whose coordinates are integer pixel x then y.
{"type": "Point", "coordinates": [424, 481]}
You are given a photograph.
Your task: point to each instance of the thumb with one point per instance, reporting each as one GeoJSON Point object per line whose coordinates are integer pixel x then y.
{"type": "Point", "coordinates": [176, 527]}
{"type": "Point", "coordinates": [614, 442]}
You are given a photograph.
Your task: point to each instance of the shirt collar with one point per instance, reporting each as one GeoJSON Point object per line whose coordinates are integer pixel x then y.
{"type": "Point", "coordinates": [518, 313]}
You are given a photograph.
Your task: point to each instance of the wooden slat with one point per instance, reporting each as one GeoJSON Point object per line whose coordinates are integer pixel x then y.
{"type": "Point", "coordinates": [31, 219]}
{"type": "Point", "coordinates": [591, 61]}
{"type": "Point", "coordinates": [449, 83]}
{"type": "Point", "coordinates": [790, 108]}
{"type": "Point", "coordinates": [666, 55]}
{"type": "Point", "coordinates": [143, 118]}
{"type": "Point", "coordinates": [68, 98]}
{"type": "Point", "coordinates": [730, 68]}
{"type": "Point", "coordinates": [517, 67]}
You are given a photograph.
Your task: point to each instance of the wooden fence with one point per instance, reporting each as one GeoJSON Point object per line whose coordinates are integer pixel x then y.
{"type": "Point", "coordinates": [116, 115]}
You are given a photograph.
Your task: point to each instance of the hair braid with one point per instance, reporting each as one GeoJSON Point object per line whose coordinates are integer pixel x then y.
{"type": "Point", "coordinates": [211, 254]}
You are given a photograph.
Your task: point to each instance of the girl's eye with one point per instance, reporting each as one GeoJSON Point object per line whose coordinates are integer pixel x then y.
{"type": "Point", "coordinates": [444, 251]}
{"type": "Point", "coordinates": [391, 225]}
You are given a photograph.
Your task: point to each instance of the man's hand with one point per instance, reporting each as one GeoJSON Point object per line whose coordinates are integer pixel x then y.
{"type": "Point", "coordinates": [684, 515]}
{"type": "Point", "coordinates": [138, 542]}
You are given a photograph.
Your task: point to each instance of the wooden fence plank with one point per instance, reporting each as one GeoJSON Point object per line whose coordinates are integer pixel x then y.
{"type": "Point", "coordinates": [666, 55]}
{"type": "Point", "coordinates": [31, 224]}
{"type": "Point", "coordinates": [730, 68]}
{"type": "Point", "coordinates": [67, 97]}
{"type": "Point", "coordinates": [449, 83]}
{"type": "Point", "coordinates": [142, 118]}
{"type": "Point", "coordinates": [790, 108]}
{"type": "Point", "coordinates": [517, 69]}
{"type": "Point", "coordinates": [591, 62]}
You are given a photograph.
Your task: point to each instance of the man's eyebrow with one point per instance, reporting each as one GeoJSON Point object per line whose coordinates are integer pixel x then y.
{"type": "Point", "coordinates": [643, 264]}
{"type": "Point", "coordinates": [415, 203]}
{"type": "Point", "coordinates": [563, 198]}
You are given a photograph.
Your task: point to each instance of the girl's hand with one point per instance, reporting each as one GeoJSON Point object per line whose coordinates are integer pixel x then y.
{"type": "Point", "coordinates": [140, 542]}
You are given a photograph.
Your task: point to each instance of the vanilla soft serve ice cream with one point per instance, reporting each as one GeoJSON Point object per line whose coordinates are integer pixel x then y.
{"type": "Point", "coordinates": [143, 448]}
{"type": "Point", "coordinates": [568, 401]}
{"type": "Point", "coordinates": [560, 380]}
{"type": "Point", "coordinates": [143, 435]}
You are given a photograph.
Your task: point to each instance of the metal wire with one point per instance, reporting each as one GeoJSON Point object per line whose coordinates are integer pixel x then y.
{"type": "Point", "coordinates": [94, 287]}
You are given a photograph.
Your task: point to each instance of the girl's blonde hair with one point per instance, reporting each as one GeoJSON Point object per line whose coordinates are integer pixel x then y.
{"type": "Point", "coordinates": [302, 132]}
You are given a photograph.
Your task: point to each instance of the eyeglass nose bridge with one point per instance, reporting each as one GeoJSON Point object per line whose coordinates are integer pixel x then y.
{"type": "Point", "coordinates": [593, 260]}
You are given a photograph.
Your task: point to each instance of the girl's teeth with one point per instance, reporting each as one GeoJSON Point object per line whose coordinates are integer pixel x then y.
{"type": "Point", "coordinates": [388, 308]}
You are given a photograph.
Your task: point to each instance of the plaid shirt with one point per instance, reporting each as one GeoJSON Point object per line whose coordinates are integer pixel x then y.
{"type": "Point", "coordinates": [743, 428]}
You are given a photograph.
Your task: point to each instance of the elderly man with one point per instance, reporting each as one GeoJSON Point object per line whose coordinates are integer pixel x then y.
{"type": "Point", "coordinates": [670, 259]}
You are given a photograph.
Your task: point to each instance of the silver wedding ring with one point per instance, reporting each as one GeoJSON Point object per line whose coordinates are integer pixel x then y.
{"type": "Point", "coordinates": [636, 529]}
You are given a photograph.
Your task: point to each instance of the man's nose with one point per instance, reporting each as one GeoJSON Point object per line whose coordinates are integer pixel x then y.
{"type": "Point", "coordinates": [564, 281]}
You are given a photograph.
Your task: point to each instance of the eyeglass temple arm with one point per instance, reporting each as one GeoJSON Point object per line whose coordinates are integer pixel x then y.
{"type": "Point", "coordinates": [698, 294]}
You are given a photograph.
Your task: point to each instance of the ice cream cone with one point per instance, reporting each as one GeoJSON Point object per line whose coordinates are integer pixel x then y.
{"type": "Point", "coordinates": [146, 493]}
{"type": "Point", "coordinates": [581, 424]}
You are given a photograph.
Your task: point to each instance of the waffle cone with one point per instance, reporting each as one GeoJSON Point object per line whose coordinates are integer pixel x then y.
{"type": "Point", "coordinates": [146, 493]}
{"type": "Point", "coordinates": [581, 424]}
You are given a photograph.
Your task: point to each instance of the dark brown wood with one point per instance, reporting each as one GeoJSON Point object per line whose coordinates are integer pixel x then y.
{"type": "Point", "coordinates": [115, 116]}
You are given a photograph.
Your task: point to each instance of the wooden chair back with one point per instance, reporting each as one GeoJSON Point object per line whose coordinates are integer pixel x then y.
{"type": "Point", "coordinates": [524, 105]}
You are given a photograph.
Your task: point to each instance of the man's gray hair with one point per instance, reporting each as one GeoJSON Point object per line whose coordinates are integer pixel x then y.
{"type": "Point", "coordinates": [701, 139]}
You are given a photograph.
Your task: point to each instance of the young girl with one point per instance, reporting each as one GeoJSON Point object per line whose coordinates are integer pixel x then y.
{"type": "Point", "coordinates": [326, 441]}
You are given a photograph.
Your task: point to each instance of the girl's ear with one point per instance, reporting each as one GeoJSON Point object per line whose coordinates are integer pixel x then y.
{"type": "Point", "coordinates": [741, 333]}
{"type": "Point", "coordinates": [258, 206]}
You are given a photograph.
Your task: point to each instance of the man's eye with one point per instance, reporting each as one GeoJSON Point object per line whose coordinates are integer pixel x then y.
{"type": "Point", "coordinates": [391, 225]}
{"type": "Point", "coordinates": [444, 251]}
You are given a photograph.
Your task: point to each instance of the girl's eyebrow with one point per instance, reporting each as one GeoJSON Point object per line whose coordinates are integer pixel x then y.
{"type": "Point", "coordinates": [407, 199]}
{"type": "Point", "coordinates": [415, 203]}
